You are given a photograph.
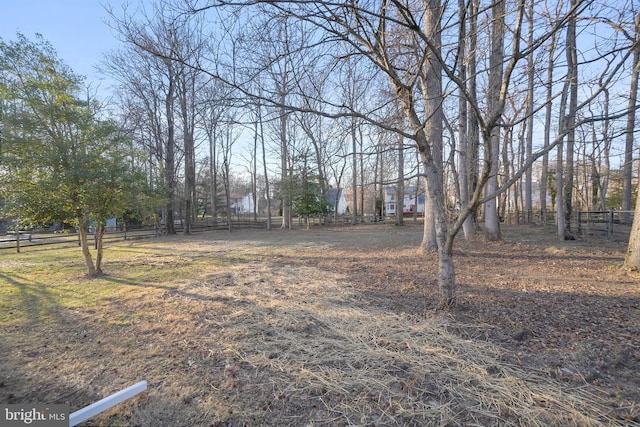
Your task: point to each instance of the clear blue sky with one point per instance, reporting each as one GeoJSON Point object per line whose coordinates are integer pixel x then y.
{"type": "Point", "coordinates": [75, 28]}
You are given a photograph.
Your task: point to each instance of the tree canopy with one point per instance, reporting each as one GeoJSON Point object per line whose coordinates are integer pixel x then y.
{"type": "Point", "coordinates": [60, 160]}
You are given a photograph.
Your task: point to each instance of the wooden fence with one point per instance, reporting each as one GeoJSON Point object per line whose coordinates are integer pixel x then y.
{"type": "Point", "coordinates": [611, 222]}
{"type": "Point", "coordinates": [40, 239]}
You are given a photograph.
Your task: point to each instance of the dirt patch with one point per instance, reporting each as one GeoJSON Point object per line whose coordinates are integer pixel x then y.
{"type": "Point", "coordinates": [338, 327]}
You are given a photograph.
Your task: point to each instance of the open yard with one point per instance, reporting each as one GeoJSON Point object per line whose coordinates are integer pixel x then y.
{"type": "Point", "coordinates": [327, 327]}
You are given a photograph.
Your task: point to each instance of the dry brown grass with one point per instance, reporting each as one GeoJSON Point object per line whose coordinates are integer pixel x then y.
{"type": "Point", "coordinates": [313, 328]}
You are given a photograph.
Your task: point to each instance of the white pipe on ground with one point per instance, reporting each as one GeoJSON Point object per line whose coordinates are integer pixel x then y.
{"type": "Point", "coordinates": [106, 403]}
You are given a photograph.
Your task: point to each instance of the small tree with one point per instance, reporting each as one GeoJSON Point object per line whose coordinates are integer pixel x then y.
{"type": "Point", "coordinates": [59, 162]}
{"type": "Point", "coordinates": [307, 195]}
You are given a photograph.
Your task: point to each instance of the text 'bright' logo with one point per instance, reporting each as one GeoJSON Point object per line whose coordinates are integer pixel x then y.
{"type": "Point", "coordinates": [36, 415]}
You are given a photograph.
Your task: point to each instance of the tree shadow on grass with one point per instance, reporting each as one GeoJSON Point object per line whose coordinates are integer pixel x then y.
{"type": "Point", "coordinates": [172, 290]}
{"type": "Point", "coordinates": [35, 299]}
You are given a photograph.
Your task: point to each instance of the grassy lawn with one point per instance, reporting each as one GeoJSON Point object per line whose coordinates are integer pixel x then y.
{"type": "Point", "coordinates": [324, 327]}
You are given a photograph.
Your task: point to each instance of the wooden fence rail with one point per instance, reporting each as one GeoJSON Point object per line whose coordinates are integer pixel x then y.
{"type": "Point", "coordinates": [609, 221]}
{"type": "Point", "coordinates": [43, 239]}
{"type": "Point", "coordinates": [612, 222]}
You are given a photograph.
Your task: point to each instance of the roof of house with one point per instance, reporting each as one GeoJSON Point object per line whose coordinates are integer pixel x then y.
{"type": "Point", "coordinates": [332, 194]}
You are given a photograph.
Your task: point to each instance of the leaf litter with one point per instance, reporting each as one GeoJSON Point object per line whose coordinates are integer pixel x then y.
{"type": "Point", "coordinates": [338, 327]}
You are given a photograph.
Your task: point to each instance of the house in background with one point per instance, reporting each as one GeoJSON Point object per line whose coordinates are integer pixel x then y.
{"type": "Point", "coordinates": [242, 204]}
{"type": "Point", "coordinates": [413, 202]}
{"type": "Point", "coordinates": [337, 200]}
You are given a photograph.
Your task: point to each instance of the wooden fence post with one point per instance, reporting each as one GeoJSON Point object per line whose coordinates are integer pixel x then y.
{"type": "Point", "coordinates": [579, 222]}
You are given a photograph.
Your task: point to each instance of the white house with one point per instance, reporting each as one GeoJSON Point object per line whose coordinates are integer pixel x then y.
{"type": "Point", "coordinates": [337, 200]}
{"type": "Point", "coordinates": [412, 202]}
{"type": "Point", "coordinates": [242, 204]}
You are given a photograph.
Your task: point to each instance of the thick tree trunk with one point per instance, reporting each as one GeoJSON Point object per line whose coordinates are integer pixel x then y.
{"type": "Point", "coordinates": [572, 77]}
{"type": "Point", "coordinates": [491, 218]}
{"type": "Point", "coordinates": [631, 119]}
{"type": "Point", "coordinates": [632, 259]}
{"type": "Point", "coordinates": [561, 219]}
{"type": "Point", "coordinates": [100, 229]}
{"type": "Point", "coordinates": [284, 176]}
{"type": "Point", "coordinates": [264, 165]}
{"type": "Point", "coordinates": [528, 186]}
{"type": "Point", "coordinates": [169, 161]}
{"type": "Point", "coordinates": [446, 275]}
{"type": "Point", "coordinates": [189, 181]}
{"type": "Point", "coordinates": [473, 132]}
{"type": "Point", "coordinates": [429, 238]}
{"type": "Point", "coordinates": [446, 271]}
{"type": "Point", "coordinates": [463, 141]}
{"type": "Point", "coordinates": [496, 63]}
{"type": "Point", "coordinates": [547, 132]}
{"type": "Point", "coordinates": [186, 96]}
{"type": "Point", "coordinates": [83, 230]}
{"type": "Point", "coordinates": [431, 148]}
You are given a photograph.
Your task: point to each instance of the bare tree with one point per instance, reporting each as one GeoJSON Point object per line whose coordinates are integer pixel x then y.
{"type": "Point", "coordinates": [632, 259]}
{"type": "Point", "coordinates": [544, 172]}
{"type": "Point", "coordinates": [156, 35]}
{"type": "Point", "coordinates": [186, 47]}
{"type": "Point", "coordinates": [569, 122]}
{"type": "Point", "coordinates": [210, 119]}
{"type": "Point", "coordinates": [495, 106]}
{"type": "Point", "coordinates": [631, 117]}
{"type": "Point", "coordinates": [528, 192]}
{"type": "Point", "coordinates": [465, 155]}
{"type": "Point", "coordinates": [372, 31]}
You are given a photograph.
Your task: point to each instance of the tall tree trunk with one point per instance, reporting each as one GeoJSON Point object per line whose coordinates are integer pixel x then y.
{"type": "Point", "coordinates": [631, 119]}
{"type": "Point", "coordinates": [429, 236]}
{"type": "Point", "coordinates": [284, 155]}
{"type": "Point", "coordinates": [254, 175]}
{"type": "Point", "coordinates": [572, 70]}
{"type": "Point", "coordinates": [463, 168]}
{"type": "Point", "coordinates": [375, 187]}
{"type": "Point", "coordinates": [189, 169]}
{"type": "Point", "coordinates": [473, 131]}
{"type": "Point", "coordinates": [361, 159]}
{"type": "Point", "coordinates": [491, 220]}
{"type": "Point", "coordinates": [605, 170]}
{"type": "Point", "coordinates": [226, 177]}
{"type": "Point", "coordinates": [213, 172]}
{"type": "Point", "coordinates": [429, 142]}
{"type": "Point", "coordinates": [632, 258]}
{"type": "Point", "coordinates": [544, 173]}
{"type": "Point", "coordinates": [431, 85]}
{"type": "Point", "coordinates": [267, 190]}
{"type": "Point", "coordinates": [169, 163]}
{"type": "Point", "coordinates": [381, 189]}
{"type": "Point", "coordinates": [560, 217]}
{"type": "Point", "coordinates": [400, 183]}
{"type": "Point", "coordinates": [505, 200]}
{"type": "Point", "coordinates": [354, 173]}
{"type": "Point", "coordinates": [528, 185]}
